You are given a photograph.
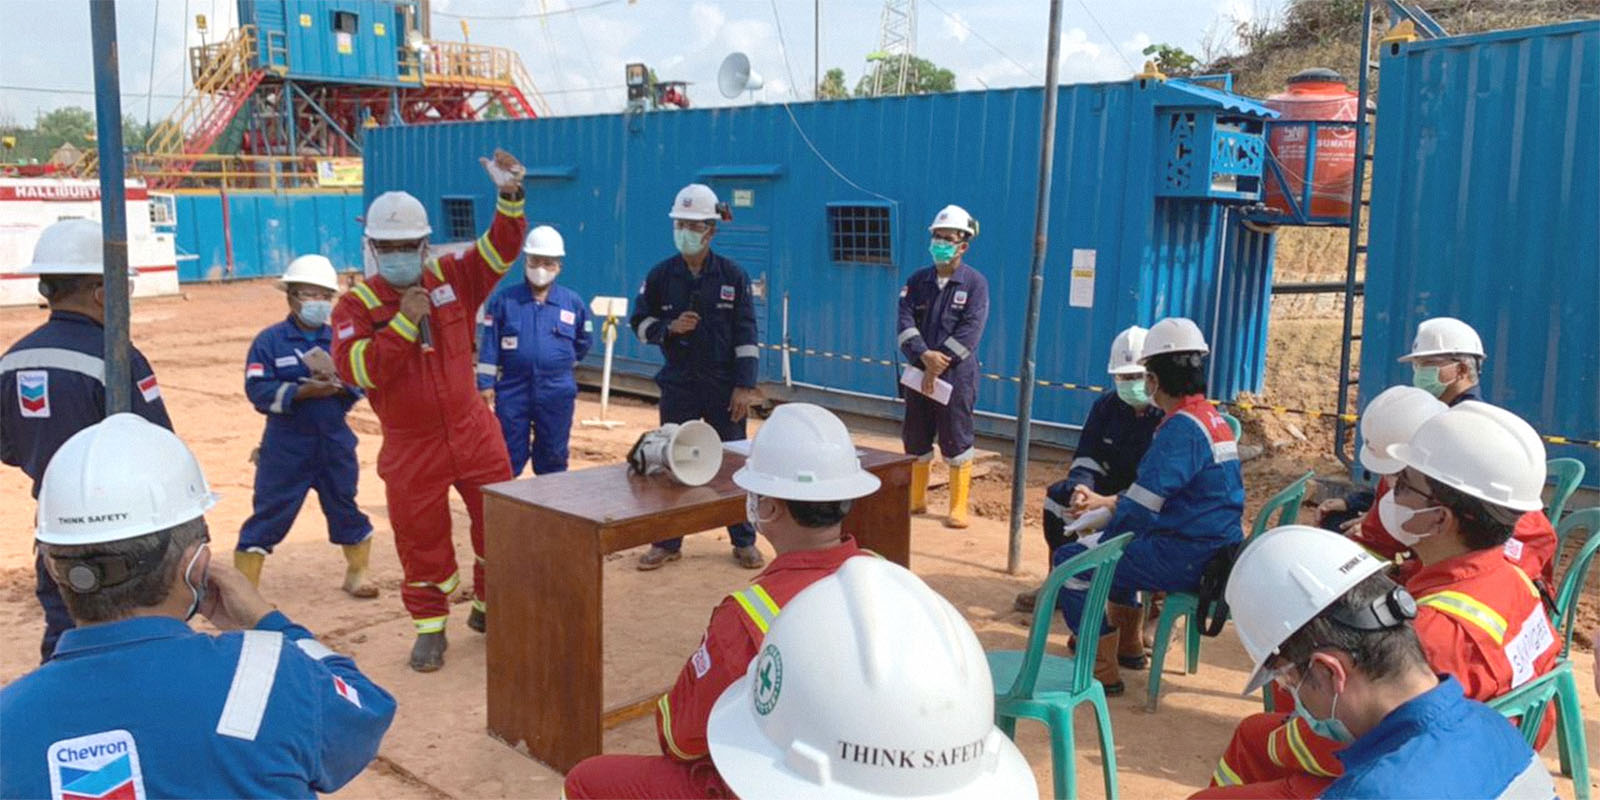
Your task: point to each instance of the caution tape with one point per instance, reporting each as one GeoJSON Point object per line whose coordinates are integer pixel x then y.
{"type": "Point", "coordinates": [1242, 405]}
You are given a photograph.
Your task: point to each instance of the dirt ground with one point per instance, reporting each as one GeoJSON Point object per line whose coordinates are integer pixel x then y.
{"type": "Point", "coordinates": [438, 747]}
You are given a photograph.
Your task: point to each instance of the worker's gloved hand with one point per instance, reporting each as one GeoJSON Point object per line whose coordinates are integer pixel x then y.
{"type": "Point", "coordinates": [414, 304]}
{"type": "Point", "coordinates": [684, 324]}
{"type": "Point", "coordinates": [743, 400]}
{"type": "Point", "coordinates": [232, 602]}
{"type": "Point", "coordinates": [506, 171]}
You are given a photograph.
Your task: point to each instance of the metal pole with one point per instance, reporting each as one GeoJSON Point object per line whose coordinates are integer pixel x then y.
{"type": "Point", "coordinates": [113, 206]}
{"type": "Point", "coordinates": [1030, 328]}
{"type": "Point", "coordinates": [816, 50]}
{"type": "Point", "coordinates": [1355, 245]}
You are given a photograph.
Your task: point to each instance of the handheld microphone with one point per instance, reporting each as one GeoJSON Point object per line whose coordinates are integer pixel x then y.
{"type": "Point", "coordinates": [425, 336]}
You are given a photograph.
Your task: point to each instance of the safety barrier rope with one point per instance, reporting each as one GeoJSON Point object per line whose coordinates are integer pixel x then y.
{"type": "Point", "coordinates": [1242, 405]}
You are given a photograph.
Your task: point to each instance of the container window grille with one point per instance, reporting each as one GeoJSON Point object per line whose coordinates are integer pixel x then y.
{"type": "Point", "coordinates": [860, 234]}
{"type": "Point", "coordinates": [459, 218]}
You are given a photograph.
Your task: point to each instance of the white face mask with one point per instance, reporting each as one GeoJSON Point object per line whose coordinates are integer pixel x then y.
{"type": "Point", "coordinates": [752, 511]}
{"type": "Point", "coordinates": [540, 277]}
{"type": "Point", "coordinates": [1394, 517]}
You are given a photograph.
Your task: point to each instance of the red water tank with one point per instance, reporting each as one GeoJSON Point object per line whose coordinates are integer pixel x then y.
{"type": "Point", "coordinates": [1314, 94]}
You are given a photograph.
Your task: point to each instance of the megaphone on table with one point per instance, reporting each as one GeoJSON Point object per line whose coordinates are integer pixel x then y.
{"type": "Point", "coordinates": [735, 76]}
{"type": "Point", "coordinates": [690, 452]}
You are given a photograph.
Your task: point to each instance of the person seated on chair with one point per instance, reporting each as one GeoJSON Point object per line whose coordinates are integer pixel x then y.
{"type": "Point", "coordinates": [1114, 438]}
{"type": "Point", "coordinates": [801, 478]}
{"type": "Point", "coordinates": [1466, 476]}
{"type": "Point", "coordinates": [1318, 616]}
{"type": "Point", "coordinates": [1183, 509]}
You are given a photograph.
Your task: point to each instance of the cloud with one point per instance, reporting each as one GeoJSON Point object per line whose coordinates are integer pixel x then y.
{"type": "Point", "coordinates": [955, 27]}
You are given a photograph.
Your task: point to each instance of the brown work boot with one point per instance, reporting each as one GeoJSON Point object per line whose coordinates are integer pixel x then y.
{"type": "Point", "coordinates": [427, 655]}
{"type": "Point", "coordinates": [1105, 665]}
{"type": "Point", "coordinates": [656, 556]}
{"type": "Point", "coordinates": [1130, 635]}
{"type": "Point", "coordinates": [1026, 601]}
{"type": "Point", "coordinates": [749, 557]}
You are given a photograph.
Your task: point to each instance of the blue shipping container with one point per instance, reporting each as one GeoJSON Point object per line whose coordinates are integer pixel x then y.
{"type": "Point", "coordinates": [343, 41]}
{"type": "Point", "coordinates": [269, 230]}
{"type": "Point", "coordinates": [1486, 207]}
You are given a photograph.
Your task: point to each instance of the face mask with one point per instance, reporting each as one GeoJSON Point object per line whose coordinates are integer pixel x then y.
{"type": "Point", "coordinates": [1394, 517]}
{"type": "Point", "coordinates": [197, 591]}
{"type": "Point", "coordinates": [400, 269]}
{"type": "Point", "coordinates": [942, 251]}
{"type": "Point", "coordinates": [315, 312]}
{"type": "Point", "coordinates": [1133, 393]}
{"type": "Point", "coordinates": [752, 511]}
{"type": "Point", "coordinates": [1330, 728]}
{"type": "Point", "coordinates": [1427, 379]}
{"type": "Point", "coordinates": [688, 242]}
{"type": "Point", "coordinates": [540, 277]}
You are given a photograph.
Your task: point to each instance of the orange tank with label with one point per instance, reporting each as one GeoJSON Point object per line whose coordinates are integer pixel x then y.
{"type": "Point", "coordinates": [1314, 94]}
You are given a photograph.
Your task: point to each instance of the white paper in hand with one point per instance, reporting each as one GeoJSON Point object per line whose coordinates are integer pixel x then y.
{"type": "Point", "coordinates": [318, 361]}
{"type": "Point", "coordinates": [912, 379]}
{"type": "Point", "coordinates": [1090, 521]}
{"type": "Point", "coordinates": [501, 176]}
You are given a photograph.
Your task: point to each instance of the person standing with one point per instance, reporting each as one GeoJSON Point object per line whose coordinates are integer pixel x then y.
{"type": "Point", "coordinates": [943, 309]}
{"type": "Point", "coordinates": [696, 307]}
{"type": "Point", "coordinates": [52, 381]}
{"type": "Point", "coordinates": [289, 376]}
{"type": "Point", "coordinates": [532, 336]}
{"type": "Point", "coordinates": [405, 336]}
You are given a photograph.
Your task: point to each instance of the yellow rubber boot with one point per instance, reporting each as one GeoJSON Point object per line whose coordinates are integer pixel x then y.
{"type": "Point", "coordinates": [250, 564]}
{"type": "Point", "coordinates": [960, 489]}
{"type": "Point", "coordinates": [919, 485]}
{"type": "Point", "coordinates": [356, 557]}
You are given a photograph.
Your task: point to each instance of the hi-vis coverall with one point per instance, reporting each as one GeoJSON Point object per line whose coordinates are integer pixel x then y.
{"type": "Point", "coordinates": [437, 433]}
{"type": "Point", "coordinates": [1479, 619]}
{"type": "Point", "coordinates": [1532, 545]}
{"type": "Point", "coordinates": [738, 625]}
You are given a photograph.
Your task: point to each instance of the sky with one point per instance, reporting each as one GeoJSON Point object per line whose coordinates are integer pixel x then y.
{"type": "Point", "coordinates": [576, 49]}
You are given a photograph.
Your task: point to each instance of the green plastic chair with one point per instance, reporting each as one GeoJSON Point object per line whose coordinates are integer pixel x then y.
{"type": "Point", "coordinates": [1527, 703]}
{"type": "Point", "coordinates": [1034, 685]}
{"type": "Point", "coordinates": [1286, 504]}
{"type": "Point", "coordinates": [1566, 611]}
{"type": "Point", "coordinates": [1233, 423]}
{"type": "Point", "coordinates": [1567, 474]}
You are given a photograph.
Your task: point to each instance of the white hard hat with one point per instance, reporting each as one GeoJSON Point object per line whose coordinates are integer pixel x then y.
{"type": "Point", "coordinates": [1444, 336]}
{"type": "Point", "coordinates": [118, 479]}
{"type": "Point", "coordinates": [1393, 417]}
{"type": "Point", "coordinates": [695, 201]}
{"type": "Point", "coordinates": [397, 216]}
{"type": "Point", "coordinates": [68, 247]}
{"type": "Point", "coordinates": [955, 218]}
{"type": "Point", "coordinates": [545, 241]}
{"type": "Point", "coordinates": [1125, 352]}
{"type": "Point", "coordinates": [1480, 450]}
{"type": "Point", "coordinates": [803, 452]}
{"type": "Point", "coordinates": [1284, 579]}
{"type": "Point", "coordinates": [1173, 335]}
{"type": "Point", "coordinates": [868, 685]}
{"type": "Point", "coordinates": [312, 270]}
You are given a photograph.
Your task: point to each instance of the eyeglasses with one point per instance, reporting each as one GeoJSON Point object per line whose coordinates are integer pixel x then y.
{"type": "Point", "coordinates": [312, 294]}
{"type": "Point", "coordinates": [1403, 484]}
{"type": "Point", "coordinates": [696, 225]}
{"type": "Point", "coordinates": [953, 238]}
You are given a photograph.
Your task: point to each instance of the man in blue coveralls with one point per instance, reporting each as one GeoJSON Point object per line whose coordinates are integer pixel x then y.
{"type": "Point", "coordinates": [532, 336]}
{"type": "Point", "coordinates": [1182, 509]}
{"type": "Point", "coordinates": [52, 381]}
{"type": "Point", "coordinates": [1113, 441]}
{"type": "Point", "coordinates": [943, 309]}
{"type": "Point", "coordinates": [134, 703]}
{"type": "Point", "coordinates": [696, 307]}
{"type": "Point", "coordinates": [289, 377]}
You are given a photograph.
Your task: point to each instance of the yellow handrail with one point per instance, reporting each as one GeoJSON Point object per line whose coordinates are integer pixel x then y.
{"type": "Point", "coordinates": [213, 67]}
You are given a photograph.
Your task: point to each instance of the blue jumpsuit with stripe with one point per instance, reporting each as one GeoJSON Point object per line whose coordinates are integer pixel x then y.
{"type": "Point", "coordinates": [1185, 505]}
{"type": "Point", "coordinates": [949, 319]}
{"type": "Point", "coordinates": [527, 350]}
{"type": "Point", "coordinates": [147, 707]}
{"type": "Point", "coordinates": [1113, 442]}
{"type": "Point", "coordinates": [52, 385]}
{"type": "Point", "coordinates": [306, 444]}
{"type": "Point", "coordinates": [704, 366]}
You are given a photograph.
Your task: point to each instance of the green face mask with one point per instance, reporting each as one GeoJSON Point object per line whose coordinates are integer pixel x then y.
{"type": "Point", "coordinates": [1133, 393]}
{"type": "Point", "coordinates": [1427, 379]}
{"type": "Point", "coordinates": [942, 251]}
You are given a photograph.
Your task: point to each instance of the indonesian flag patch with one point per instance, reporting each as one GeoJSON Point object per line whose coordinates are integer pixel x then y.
{"type": "Point", "coordinates": [345, 331]}
{"type": "Point", "coordinates": [148, 388]}
{"type": "Point", "coordinates": [346, 691]}
{"type": "Point", "coordinates": [255, 370]}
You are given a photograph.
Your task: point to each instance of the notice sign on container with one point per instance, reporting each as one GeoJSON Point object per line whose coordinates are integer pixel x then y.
{"type": "Point", "coordinates": [1081, 293]}
{"type": "Point", "coordinates": [338, 172]}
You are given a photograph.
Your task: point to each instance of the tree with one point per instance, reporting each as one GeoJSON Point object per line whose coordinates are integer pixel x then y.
{"type": "Point", "coordinates": [833, 87]}
{"type": "Point", "coordinates": [1172, 61]}
{"type": "Point", "coordinates": [927, 77]}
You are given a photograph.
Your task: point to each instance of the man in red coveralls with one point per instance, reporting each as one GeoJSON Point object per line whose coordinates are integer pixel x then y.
{"type": "Point", "coordinates": [406, 336]}
{"type": "Point", "coordinates": [1465, 479]}
{"type": "Point", "coordinates": [800, 479]}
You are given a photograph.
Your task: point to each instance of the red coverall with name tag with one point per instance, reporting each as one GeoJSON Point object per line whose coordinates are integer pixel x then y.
{"type": "Point", "coordinates": [1532, 545]}
{"type": "Point", "coordinates": [738, 625]}
{"type": "Point", "coordinates": [1479, 618]}
{"type": "Point", "coordinates": [437, 433]}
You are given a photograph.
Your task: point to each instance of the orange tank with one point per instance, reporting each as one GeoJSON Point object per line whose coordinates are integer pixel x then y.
{"type": "Point", "coordinates": [1314, 94]}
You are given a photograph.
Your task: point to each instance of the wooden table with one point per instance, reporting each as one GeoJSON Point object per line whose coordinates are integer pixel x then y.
{"type": "Point", "coordinates": [546, 539]}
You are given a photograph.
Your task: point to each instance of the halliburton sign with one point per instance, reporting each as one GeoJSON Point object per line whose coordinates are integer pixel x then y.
{"type": "Point", "coordinates": [62, 191]}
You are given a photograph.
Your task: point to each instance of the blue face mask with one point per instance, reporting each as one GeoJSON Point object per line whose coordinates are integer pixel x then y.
{"type": "Point", "coordinates": [400, 269]}
{"type": "Point", "coordinates": [1330, 728]}
{"type": "Point", "coordinates": [315, 312]}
